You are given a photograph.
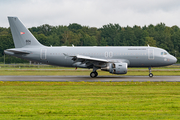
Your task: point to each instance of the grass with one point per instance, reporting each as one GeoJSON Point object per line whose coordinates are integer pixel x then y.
{"type": "Point", "coordinates": [90, 100]}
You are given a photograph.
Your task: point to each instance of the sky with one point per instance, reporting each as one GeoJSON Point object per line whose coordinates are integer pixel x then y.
{"type": "Point", "coordinates": [92, 13]}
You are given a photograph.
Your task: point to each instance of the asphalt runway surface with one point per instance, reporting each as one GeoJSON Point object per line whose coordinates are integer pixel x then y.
{"type": "Point", "coordinates": [89, 79]}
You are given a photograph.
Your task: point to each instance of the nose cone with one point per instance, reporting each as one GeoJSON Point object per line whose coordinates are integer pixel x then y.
{"type": "Point", "coordinates": [173, 60]}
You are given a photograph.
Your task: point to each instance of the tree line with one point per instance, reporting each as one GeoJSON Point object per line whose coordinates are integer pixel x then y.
{"type": "Point", "coordinates": [158, 35]}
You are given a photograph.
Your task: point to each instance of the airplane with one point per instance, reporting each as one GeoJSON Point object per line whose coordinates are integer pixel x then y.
{"type": "Point", "coordinates": [114, 59]}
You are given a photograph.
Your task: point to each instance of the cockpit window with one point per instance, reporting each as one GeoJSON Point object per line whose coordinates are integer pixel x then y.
{"type": "Point", "coordinates": [163, 53]}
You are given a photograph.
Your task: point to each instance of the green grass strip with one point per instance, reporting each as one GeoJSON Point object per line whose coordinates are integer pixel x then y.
{"type": "Point", "coordinates": [90, 100]}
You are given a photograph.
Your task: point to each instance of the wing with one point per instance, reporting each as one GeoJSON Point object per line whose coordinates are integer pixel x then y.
{"type": "Point", "coordinates": [86, 61]}
{"type": "Point", "coordinates": [89, 62]}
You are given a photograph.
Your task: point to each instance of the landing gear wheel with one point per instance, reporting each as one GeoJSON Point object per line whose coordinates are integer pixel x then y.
{"type": "Point", "coordinates": [96, 74]}
{"type": "Point", "coordinates": [93, 74]}
{"type": "Point", "coordinates": [150, 75]}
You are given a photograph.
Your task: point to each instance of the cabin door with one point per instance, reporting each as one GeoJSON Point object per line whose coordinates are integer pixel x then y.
{"type": "Point", "coordinates": [151, 54]}
{"type": "Point", "coordinates": [43, 54]}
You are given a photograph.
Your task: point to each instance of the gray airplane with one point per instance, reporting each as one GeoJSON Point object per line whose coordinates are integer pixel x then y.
{"type": "Point", "coordinates": [115, 60]}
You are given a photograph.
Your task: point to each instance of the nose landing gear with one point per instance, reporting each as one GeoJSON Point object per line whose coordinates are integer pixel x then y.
{"type": "Point", "coordinates": [150, 74]}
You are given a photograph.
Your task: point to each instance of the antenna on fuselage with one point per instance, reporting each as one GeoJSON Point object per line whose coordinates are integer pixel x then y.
{"type": "Point", "coordinates": [148, 45]}
{"type": "Point", "coordinates": [72, 45]}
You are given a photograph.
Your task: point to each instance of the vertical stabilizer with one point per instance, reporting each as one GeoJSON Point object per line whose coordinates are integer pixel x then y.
{"type": "Point", "coordinates": [22, 37]}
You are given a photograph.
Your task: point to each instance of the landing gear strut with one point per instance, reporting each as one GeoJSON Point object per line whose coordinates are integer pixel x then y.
{"type": "Point", "coordinates": [150, 74]}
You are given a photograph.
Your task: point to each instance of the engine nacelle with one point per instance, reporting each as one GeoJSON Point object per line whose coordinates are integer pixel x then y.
{"type": "Point", "coordinates": [116, 68]}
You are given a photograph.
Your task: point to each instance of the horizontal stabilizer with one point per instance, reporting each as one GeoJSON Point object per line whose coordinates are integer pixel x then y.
{"type": "Point", "coordinates": [17, 51]}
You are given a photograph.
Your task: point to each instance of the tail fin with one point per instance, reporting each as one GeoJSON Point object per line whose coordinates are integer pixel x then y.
{"type": "Point", "coordinates": [22, 37]}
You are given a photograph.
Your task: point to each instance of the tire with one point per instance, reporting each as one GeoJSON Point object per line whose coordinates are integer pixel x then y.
{"type": "Point", "coordinates": [96, 74]}
{"type": "Point", "coordinates": [150, 75]}
{"type": "Point", "coordinates": [93, 74]}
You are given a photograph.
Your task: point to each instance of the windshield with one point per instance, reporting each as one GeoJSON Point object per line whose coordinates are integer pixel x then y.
{"type": "Point", "coordinates": [164, 53]}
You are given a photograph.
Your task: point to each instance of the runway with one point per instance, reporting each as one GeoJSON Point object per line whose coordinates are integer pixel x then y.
{"type": "Point", "coordinates": [88, 79]}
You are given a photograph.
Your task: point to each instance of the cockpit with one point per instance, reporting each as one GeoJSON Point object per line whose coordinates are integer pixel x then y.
{"type": "Point", "coordinates": [164, 53]}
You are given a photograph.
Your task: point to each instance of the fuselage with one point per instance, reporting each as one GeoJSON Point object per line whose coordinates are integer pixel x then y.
{"type": "Point", "coordinates": [135, 56]}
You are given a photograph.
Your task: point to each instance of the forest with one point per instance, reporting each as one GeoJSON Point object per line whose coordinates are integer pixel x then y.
{"type": "Point", "coordinates": [158, 35]}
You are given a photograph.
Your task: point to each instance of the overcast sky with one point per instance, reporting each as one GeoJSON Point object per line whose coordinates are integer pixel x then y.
{"type": "Point", "coordinates": [92, 13]}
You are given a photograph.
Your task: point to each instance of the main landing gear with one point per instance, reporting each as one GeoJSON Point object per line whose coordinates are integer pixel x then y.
{"type": "Point", "coordinates": [94, 74]}
{"type": "Point", "coordinates": [150, 74]}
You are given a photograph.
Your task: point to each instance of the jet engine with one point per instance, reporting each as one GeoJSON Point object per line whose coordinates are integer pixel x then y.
{"type": "Point", "coordinates": [116, 68]}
